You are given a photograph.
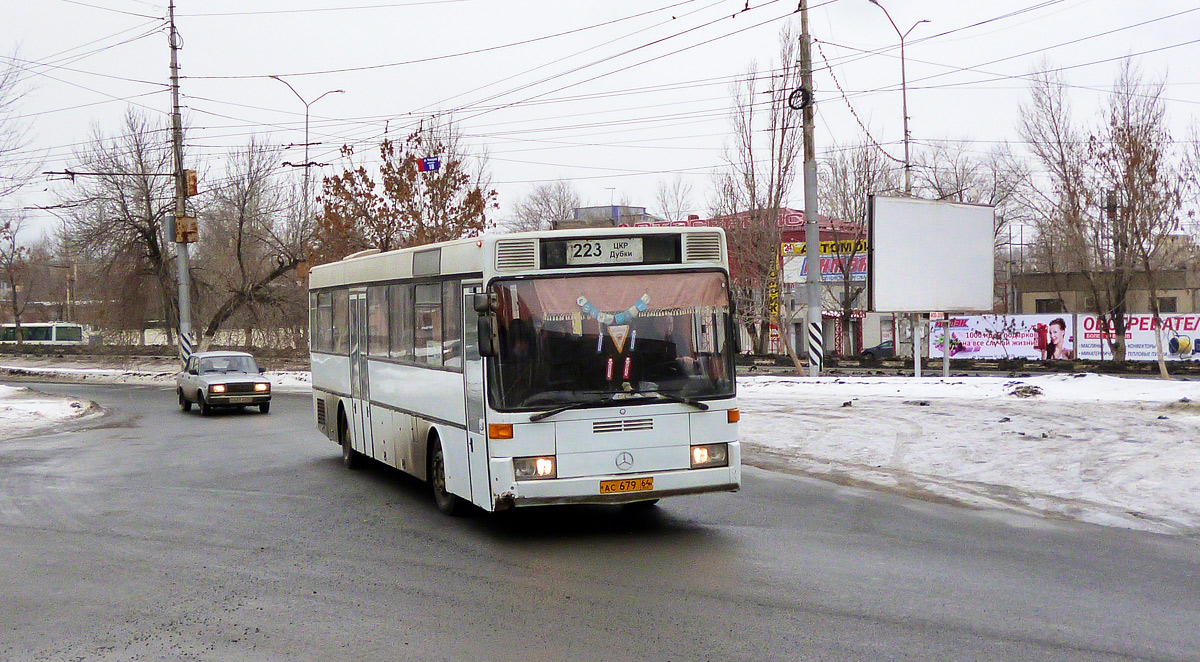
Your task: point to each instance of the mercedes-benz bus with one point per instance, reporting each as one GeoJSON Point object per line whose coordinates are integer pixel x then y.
{"type": "Point", "coordinates": [559, 367]}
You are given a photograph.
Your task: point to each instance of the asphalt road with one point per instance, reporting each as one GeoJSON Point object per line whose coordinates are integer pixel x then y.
{"type": "Point", "coordinates": [161, 535]}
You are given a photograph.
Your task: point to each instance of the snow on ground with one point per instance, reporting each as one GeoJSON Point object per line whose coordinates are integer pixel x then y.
{"type": "Point", "coordinates": [1108, 450]}
{"type": "Point", "coordinates": [23, 411]}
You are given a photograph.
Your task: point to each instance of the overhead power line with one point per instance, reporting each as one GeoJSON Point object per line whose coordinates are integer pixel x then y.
{"type": "Point", "coordinates": [436, 58]}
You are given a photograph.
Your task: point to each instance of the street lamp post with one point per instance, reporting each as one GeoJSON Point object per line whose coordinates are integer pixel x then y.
{"type": "Point", "coordinates": [916, 324]}
{"type": "Point", "coordinates": [307, 104]}
{"type": "Point", "coordinates": [903, 92]}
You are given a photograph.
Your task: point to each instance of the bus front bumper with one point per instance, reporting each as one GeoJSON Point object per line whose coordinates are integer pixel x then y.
{"type": "Point", "coordinates": [561, 491]}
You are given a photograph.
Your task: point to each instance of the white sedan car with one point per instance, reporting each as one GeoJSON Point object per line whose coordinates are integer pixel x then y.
{"type": "Point", "coordinates": [222, 379]}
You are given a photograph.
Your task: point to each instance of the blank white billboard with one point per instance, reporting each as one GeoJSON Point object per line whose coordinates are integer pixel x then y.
{"type": "Point", "coordinates": [929, 255]}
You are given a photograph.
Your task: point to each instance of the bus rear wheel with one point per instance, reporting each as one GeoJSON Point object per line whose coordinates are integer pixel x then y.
{"type": "Point", "coordinates": [448, 503]}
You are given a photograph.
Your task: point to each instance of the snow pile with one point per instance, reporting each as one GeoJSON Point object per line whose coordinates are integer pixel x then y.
{"type": "Point", "coordinates": [23, 411]}
{"type": "Point", "coordinates": [1108, 450]}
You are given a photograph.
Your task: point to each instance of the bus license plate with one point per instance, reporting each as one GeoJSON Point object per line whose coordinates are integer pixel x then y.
{"type": "Point", "coordinates": [627, 485]}
{"type": "Point", "coordinates": [623, 250]}
{"type": "Point", "coordinates": [239, 401]}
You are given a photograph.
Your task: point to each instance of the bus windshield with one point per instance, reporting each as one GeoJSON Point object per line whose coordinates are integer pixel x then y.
{"type": "Point", "coordinates": [581, 339]}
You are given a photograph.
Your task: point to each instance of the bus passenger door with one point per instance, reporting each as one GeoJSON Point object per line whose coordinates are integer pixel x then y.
{"type": "Point", "coordinates": [477, 453]}
{"type": "Point", "coordinates": [360, 396]}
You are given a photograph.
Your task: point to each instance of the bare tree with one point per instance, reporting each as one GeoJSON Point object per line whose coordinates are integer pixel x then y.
{"type": "Point", "coordinates": [1135, 157]}
{"type": "Point", "coordinates": [674, 198]}
{"type": "Point", "coordinates": [847, 180]}
{"type": "Point", "coordinates": [14, 265]}
{"type": "Point", "coordinates": [751, 191]}
{"type": "Point", "coordinates": [118, 217]}
{"type": "Point", "coordinates": [1110, 200]}
{"type": "Point", "coordinates": [15, 170]}
{"type": "Point", "coordinates": [545, 204]}
{"type": "Point", "coordinates": [249, 242]}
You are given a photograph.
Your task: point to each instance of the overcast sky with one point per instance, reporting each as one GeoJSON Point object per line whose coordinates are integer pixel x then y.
{"type": "Point", "coordinates": [613, 96]}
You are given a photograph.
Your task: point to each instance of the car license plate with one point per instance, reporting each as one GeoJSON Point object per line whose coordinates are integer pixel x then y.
{"type": "Point", "coordinates": [622, 250]}
{"type": "Point", "coordinates": [627, 485]}
{"type": "Point", "coordinates": [240, 401]}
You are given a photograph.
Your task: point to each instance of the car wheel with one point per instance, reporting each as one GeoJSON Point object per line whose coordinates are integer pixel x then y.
{"type": "Point", "coordinates": [205, 409]}
{"type": "Point", "coordinates": [264, 407]}
{"type": "Point", "coordinates": [350, 457]}
{"type": "Point", "coordinates": [184, 403]}
{"type": "Point", "coordinates": [868, 355]}
{"type": "Point", "coordinates": [448, 503]}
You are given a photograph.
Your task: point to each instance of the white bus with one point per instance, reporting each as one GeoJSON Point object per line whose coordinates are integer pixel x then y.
{"type": "Point", "coordinates": [44, 333]}
{"type": "Point", "coordinates": [573, 366]}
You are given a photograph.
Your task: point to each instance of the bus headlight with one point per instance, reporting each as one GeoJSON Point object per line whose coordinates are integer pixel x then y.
{"type": "Point", "coordinates": [218, 388]}
{"type": "Point", "coordinates": [535, 468]}
{"type": "Point", "coordinates": [710, 455]}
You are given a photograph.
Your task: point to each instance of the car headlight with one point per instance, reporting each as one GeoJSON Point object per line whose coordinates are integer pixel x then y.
{"type": "Point", "coordinates": [710, 455]}
{"type": "Point", "coordinates": [535, 468]}
{"type": "Point", "coordinates": [218, 388]}
{"type": "Point", "coordinates": [262, 388]}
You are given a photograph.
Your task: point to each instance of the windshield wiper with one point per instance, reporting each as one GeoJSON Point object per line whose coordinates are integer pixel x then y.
{"type": "Point", "coordinates": [533, 418]}
{"type": "Point", "coordinates": [681, 399]}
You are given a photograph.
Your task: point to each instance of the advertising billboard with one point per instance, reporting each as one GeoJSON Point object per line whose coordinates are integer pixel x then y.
{"type": "Point", "coordinates": [1180, 333]}
{"type": "Point", "coordinates": [929, 255]}
{"type": "Point", "coordinates": [996, 337]}
{"type": "Point", "coordinates": [1064, 336]}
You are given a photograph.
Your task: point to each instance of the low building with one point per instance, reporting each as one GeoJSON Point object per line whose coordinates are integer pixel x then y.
{"type": "Point", "coordinates": [1177, 291]}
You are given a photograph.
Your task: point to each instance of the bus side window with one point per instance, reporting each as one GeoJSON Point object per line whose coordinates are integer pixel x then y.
{"type": "Point", "coordinates": [341, 322]}
{"type": "Point", "coordinates": [401, 314]}
{"type": "Point", "coordinates": [451, 331]}
{"type": "Point", "coordinates": [428, 330]}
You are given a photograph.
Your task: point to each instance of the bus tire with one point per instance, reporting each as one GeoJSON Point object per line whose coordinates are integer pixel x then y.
{"type": "Point", "coordinates": [448, 503]}
{"type": "Point", "coordinates": [184, 403]}
{"type": "Point", "coordinates": [350, 457]}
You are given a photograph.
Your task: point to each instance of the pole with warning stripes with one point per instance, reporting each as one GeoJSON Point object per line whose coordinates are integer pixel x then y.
{"type": "Point", "coordinates": [183, 232]}
{"type": "Point", "coordinates": [812, 233]}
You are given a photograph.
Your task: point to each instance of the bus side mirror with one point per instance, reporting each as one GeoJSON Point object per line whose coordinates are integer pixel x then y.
{"type": "Point", "coordinates": [484, 303]}
{"type": "Point", "coordinates": [486, 330]}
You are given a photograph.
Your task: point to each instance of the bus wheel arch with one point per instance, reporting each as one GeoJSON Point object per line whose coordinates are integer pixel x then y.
{"type": "Point", "coordinates": [435, 471]}
{"type": "Point", "coordinates": [350, 457]}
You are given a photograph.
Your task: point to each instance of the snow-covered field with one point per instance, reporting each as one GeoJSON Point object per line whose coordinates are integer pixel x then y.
{"type": "Point", "coordinates": [1109, 450]}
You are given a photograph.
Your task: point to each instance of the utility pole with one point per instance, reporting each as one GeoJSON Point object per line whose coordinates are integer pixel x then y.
{"type": "Point", "coordinates": [812, 231]}
{"type": "Point", "coordinates": [181, 247]}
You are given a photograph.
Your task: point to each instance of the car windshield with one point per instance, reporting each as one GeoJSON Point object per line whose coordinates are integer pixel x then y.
{"type": "Point", "coordinates": [227, 364]}
{"type": "Point", "coordinates": [584, 339]}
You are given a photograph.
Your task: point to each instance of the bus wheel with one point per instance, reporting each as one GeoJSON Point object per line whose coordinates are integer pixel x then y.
{"type": "Point", "coordinates": [184, 403]}
{"type": "Point", "coordinates": [349, 455]}
{"type": "Point", "coordinates": [446, 502]}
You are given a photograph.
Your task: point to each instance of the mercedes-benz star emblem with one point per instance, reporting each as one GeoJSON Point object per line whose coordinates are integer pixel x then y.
{"type": "Point", "coordinates": [624, 461]}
